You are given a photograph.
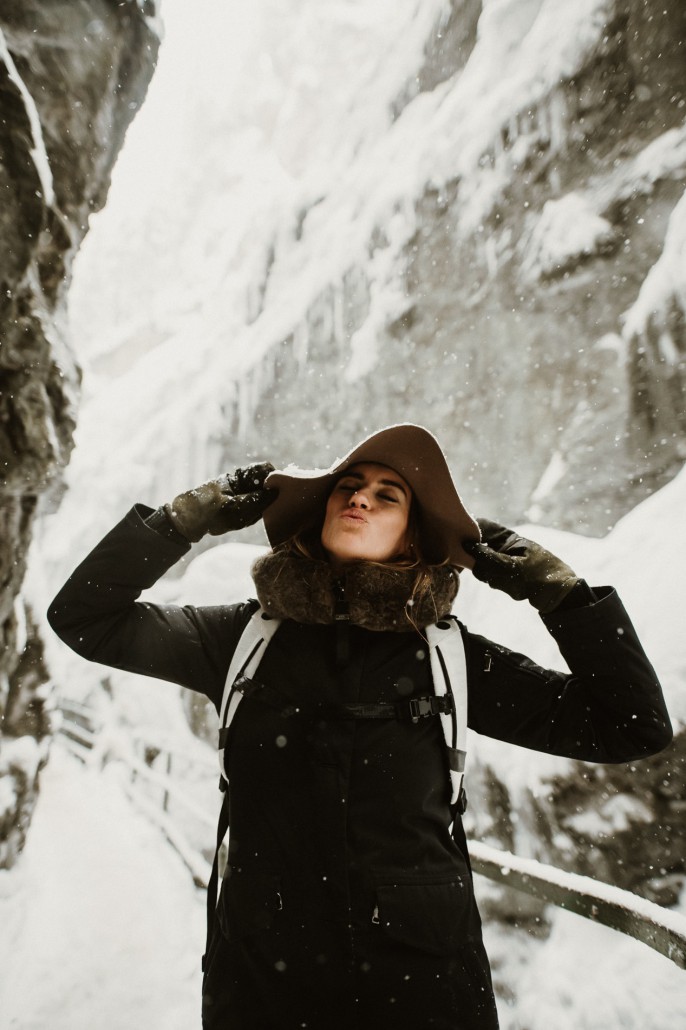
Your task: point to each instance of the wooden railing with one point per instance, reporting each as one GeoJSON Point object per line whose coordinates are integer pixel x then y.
{"type": "Point", "coordinates": [659, 928]}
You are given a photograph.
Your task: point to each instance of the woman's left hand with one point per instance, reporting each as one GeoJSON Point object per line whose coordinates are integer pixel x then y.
{"type": "Point", "coordinates": [232, 501]}
{"type": "Point", "coordinates": [520, 567]}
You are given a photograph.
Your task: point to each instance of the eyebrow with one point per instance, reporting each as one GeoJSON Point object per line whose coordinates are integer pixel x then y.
{"type": "Point", "coordinates": [386, 482]}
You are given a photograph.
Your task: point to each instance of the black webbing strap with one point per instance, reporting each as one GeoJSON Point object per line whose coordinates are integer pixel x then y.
{"type": "Point", "coordinates": [415, 708]}
{"type": "Point", "coordinates": [222, 827]}
{"type": "Point", "coordinates": [458, 833]}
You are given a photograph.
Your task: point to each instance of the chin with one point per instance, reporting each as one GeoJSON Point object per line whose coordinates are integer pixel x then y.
{"type": "Point", "coordinates": [345, 554]}
{"type": "Point", "coordinates": [351, 556]}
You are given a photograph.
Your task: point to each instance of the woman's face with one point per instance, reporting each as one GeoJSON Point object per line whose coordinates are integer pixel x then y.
{"type": "Point", "coordinates": [367, 515]}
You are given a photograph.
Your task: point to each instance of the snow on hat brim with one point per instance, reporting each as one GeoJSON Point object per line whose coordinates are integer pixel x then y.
{"type": "Point", "coordinates": [412, 451]}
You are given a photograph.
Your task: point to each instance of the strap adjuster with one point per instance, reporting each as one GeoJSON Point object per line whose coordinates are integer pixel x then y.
{"type": "Point", "coordinates": [423, 707]}
{"type": "Point", "coordinates": [246, 686]}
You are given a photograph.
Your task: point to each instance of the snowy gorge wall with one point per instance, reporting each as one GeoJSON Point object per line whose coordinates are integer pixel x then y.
{"type": "Point", "coordinates": [465, 214]}
{"type": "Point", "coordinates": [331, 216]}
{"type": "Point", "coordinates": [505, 272]}
{"type": "Point", "coordinates": [335, 214]}
{"type": "Point", "coordinates": [72, 76]}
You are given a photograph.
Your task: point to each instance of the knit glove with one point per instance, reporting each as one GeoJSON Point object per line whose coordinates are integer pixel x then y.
{"type": "Point", "coordinates": [233, 501]}
{"type": "Point", "coordinates": [520, 567]}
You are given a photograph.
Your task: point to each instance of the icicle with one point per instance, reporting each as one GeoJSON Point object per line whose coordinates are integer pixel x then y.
{"type": "Point", "coordinates": [667, 348]}
{"type": "Point", "coordinates": [557, 107]}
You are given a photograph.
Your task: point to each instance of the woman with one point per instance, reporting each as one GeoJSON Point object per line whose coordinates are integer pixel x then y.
{"type": "Point", "coordinates": [347, 900]}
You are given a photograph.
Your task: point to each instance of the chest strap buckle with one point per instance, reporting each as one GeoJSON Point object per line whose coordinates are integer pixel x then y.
{"type": "Point", "coordinates": [423, 707]}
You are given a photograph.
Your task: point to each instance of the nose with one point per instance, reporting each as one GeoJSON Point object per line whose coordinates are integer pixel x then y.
{"type": "Point", "coordinates": [358, 500]}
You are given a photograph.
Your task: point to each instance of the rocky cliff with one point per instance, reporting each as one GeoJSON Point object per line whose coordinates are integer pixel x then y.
{"type": "Point", "coordinates": [72, 76]}
{"type": "Point", "coordinates": [469, 214]}
{"type": "Point", "coordinates": [538, 318]}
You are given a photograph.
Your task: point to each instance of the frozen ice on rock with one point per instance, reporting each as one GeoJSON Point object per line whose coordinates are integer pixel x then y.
{"type": "Point", "coordinates": [567, 230]}
{"type": "Point", "coordinates": [38, 151]}
{"type": "Point", "coordinates": [664, 285]}
{"type": "Point", "coordinates": [8, 795]}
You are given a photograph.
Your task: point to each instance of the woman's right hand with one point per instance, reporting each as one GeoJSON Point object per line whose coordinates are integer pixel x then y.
{"type": "Point", "coordinates": [232, 501]}
{"type": "Point", "coordinates": [520, 567]}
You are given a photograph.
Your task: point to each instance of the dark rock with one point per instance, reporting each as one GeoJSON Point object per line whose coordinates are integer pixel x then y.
{"type": "Point", "coordinates": [72, 77]}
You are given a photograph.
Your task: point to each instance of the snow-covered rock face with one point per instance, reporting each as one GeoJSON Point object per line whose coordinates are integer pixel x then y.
{"type": "Point", "coordinates": [338, 216]}
{"type": "Point", "coordinates": [333, 216]}
{"type": "Point", "coordinates": [493, 280]}
{"type": "Point", "coordinates": [71, 78]}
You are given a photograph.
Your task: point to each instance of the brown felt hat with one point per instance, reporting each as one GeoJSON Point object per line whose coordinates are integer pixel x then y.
{"type": "Point", "coordinates": [412, 451]}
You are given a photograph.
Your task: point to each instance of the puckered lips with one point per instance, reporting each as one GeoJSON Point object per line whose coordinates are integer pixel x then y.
{"type": "Point", "coordinates": [353, 514]}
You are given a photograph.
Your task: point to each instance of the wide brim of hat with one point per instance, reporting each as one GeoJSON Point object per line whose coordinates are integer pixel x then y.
{"type": "Point", "coordinates": [412, 451]}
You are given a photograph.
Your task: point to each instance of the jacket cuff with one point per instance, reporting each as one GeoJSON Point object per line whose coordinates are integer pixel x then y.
{"type": "Point", "coordinates": [162, 524]}
{"type": "Point", "coordinates": [579, 631]}
{"type": "Point", "coordinates": [580, 596]}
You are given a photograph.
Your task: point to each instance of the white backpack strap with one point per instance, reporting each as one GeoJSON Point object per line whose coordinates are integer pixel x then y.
{"type": "Point", "coordinates": [246, 659]}
{"type": "Point", "coordinates": [449, 672]}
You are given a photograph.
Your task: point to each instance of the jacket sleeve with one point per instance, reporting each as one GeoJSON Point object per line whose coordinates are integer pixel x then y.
{"type": "Point", "coordinates": [99, 615]}
{"type": "Point", "coordinates": [610, 708]}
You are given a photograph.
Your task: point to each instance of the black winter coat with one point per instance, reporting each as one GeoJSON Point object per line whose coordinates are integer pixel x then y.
{"type": "Point", "coordinates": [346, 904]}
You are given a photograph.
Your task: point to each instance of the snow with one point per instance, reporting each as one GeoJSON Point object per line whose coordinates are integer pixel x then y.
{"type": "Point", "coordinates": [630, 986]}
{"type": "Point", "coordinates": [638, 557]}
{"type": "Point", "coordinates": [101, 924]}
{"type": "Point", "coordinates": [306, 180]}
{"type": "Point", "coordinates": [277, 196]}
{"type": "Point", "coordinates": [584, 974]}
{"type": "Point", "coordinates": [38, 151]}
{"type": "Point", "coordinates": [567, 230]}
{"type": "Point", "coordinates": [585, 885]}
{"type": "Point", "coordinates": [154, 19]}
{"type": "Point", "coordinates": [552, 475]}
{"type": "Point", "coordinates": [614, 816]}
{"type": "Point", "coordinates": [664, 287]}
{"type": "Point", "coordinates": [289, 142]}
{"type": "Point", "coordinates": [663, 158]}
{"type": "Point", "coordinates": [8, 797]}
{"type": "Point", "coordinates": [22, 755]}
{"type": "Point", "coordinates": [103, 927]}
{"type": "Point", "coordinates": [612, 984]}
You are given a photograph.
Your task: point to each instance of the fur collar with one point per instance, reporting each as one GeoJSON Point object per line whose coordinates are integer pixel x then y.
{"type": "Point", "coordinates": [376, 597]}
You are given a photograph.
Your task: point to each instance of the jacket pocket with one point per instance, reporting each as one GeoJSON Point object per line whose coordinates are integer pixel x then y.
{"type": "Point", "coordinates": [433, 917]}
{"type": "Point", "coordinates": [248, 903]}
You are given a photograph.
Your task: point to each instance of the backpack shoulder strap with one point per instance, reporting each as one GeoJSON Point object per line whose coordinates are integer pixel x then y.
{"type": "Point", "coordinates": [246, 658]}
{"type": "Point", "coordinates": [449, 674]}
{"type": "Point", "coordinates": [250, 648]}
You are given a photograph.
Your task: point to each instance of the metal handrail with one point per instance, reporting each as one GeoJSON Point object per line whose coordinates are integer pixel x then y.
{"type": "Point", "coordinates": [659, 928]}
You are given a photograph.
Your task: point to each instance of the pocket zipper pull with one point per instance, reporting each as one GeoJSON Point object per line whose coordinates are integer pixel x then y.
{"type": "Point", "coordinates": [279, 906]}
{"type": "Point", "coordinates": [375, 915]}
